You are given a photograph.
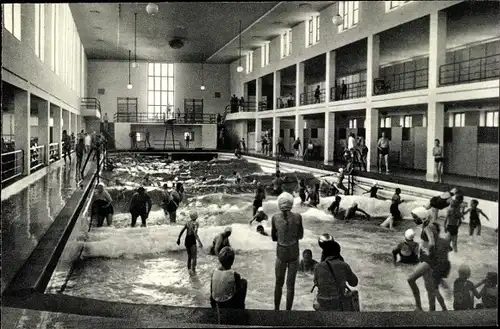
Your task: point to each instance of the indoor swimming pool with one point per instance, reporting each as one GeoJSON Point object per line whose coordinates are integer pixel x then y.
{"type": "Point", "coordinates": [145, 265]}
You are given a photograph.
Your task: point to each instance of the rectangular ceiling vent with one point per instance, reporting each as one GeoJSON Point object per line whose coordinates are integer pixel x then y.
{"type": "Point", "coordinates": [101, 91]}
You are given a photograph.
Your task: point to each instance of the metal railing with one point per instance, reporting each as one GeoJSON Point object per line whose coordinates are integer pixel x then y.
{"type": "Point", "coordinates": [393, 83]}
{"type": "Point", "coordinates": [37, 157]}
{"type": "Point", "coordinates": [54, 152]}
{"type": "Point", "coordinates": [285, 102]}
{"type": "Point", "coordinates": [249, 106]}
{"type": "Point", "coordinates": [91, 104]}
{"type": "Point", "coordinates": [310, 97]}
{"type": "Point", "coordinates": [12, 165]}
{"type": "Point", "coordinates": [472, 70]}
{"type": "Point", "coordinates": [184, 118]}
{"type": "Point", "coordinates": [352, 90]}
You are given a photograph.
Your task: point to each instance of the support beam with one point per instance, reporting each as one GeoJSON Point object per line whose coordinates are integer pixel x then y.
{"type": "Point", "coordinates": [276, 88]}
{"type": "Point", "coordinates": [258, 93]}
{"type": "Point", "coordinates": [57, 130]}
{"type": "Point", "coordinates": [299, 130]}
{"type": "Point", "coordinates": [44, 129]}
{"type": "Point", "coordinates": [435, 130]}
{"type": "Point", "coordinates": [329, 136]}
{"type": "Point", "coordinates": [22, 130]}
{"type": "Point", "coordinates": [276, 134]}
{"type": "Point", "coordinates": [330, 76]}
{"type": "Point", "coordinates": [299, 82]}
{"type": "Point", "coordinates": [258, 134]}
{"type": "Point", "coordinates": [372, 63]}
{"type": "Point", "coordinates": [437, 47]}
{"type": "Point", "coordinates": [371, 125]}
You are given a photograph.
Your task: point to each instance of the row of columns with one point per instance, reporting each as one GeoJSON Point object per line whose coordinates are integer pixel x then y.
{"type": "Point", "coordinates": [62, 120]}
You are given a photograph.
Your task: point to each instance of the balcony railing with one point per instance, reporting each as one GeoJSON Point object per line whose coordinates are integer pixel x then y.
{"type": "Point", "coordinates": [248, 106]}
{"type": "Point", "coordinates": [352, 90]}
{"type": "Point", "coordinates": [12, 165]}
{"type": "Point", "coordinates": [91, 104]}
{"type": "Point", "coordinates": [184, 118]}
{"type": "Point", "coordinates": [472, 70]}
{"type": "Point", "coordinates": [54, 152]}
{"type": "Point", "coordinates": [285, 102]}
{"type": "Point", "coordinates": [37, 157]}
{"type": "Point", "coordinates": [393, 83]}
{"type": "Point", "coordinates": [310, 97]}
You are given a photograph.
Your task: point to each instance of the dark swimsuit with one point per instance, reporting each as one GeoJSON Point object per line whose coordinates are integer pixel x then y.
{"type": "Point", "coordinates": [439, 203]}
{"type": "Point", "coordinates": [474, 218]}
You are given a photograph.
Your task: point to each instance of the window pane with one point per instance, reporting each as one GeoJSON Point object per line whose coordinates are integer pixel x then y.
{"type": "Point", "coordinates": [164, 83]}
{"type": "Point", "coordinates": [151, 67]}
{"type": "Point", "coordinates": [157, 98]}
{"type": "Point", "coordinates": [151, 82]}
{"type": "Point", "coordinates": [170, 84]}
{"type": "Point", "coordinates": [489, 119]}
{"type": "Point", "coordinates": [171, 69]}
{"type": "Point", "coordinates": [17, 20]}
{"type": "Point", "coordinates": [457, 120]}
{"type": "Point", "coordinates": [164, 70]}
{"type": "Point", "coordinates": [7, 16]}
{"type": "Point", "coordinates": [495, 119]}
{"type": "Point", "coordinates": [356, 17]}
{"type": "Point", "coordinates": [157, 70]}
{"type": "Point", "coordinates": [157, 83]}
{"type": "Point", "coordinates": [450, 121]}
{"type": "Point", "coordinates": [151, 97]}
{"type": "Point", "coordinates": [164, 98]}
{"type": "Point", "coordinates": [171, 100]}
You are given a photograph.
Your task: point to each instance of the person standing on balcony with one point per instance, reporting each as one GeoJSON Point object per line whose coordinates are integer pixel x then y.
{"type": "Point", "coordinates": [317, 94]}
{"type": "Point", "coordinates": [147, 138]}
{"type": "Point", "coordinates": [383, 152]}
{"type": "Point", "coordinates": [234, 104]}
{"type": "Point", "coordinates": [241, 104]}
{"type": "Point", "coordinates": [106, 122]}
{"type": "Point", "coordinates": [178, 113]}
{"type": "Point", "coordinates": [66, 146]}
{"type": "Point", "coordinates": [343, 90]}
{"type": "Point", "coordinates": [187, 138]}
{"type": "Point", "coordinates": [291, 100]}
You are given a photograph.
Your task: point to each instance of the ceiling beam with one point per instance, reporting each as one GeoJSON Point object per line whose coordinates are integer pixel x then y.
{"type": "Point", "coordinates": [249, 27]}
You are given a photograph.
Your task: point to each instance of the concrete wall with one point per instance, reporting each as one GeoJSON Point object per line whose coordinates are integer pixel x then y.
{"type": "Point", "coordinates": [113, 77]}
{"type": "Point", "coordinates": [19, 58]}
{"type": "Point", "coordinates": [209, 136]}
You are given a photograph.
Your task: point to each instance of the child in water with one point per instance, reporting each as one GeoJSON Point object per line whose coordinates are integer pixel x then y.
{"type": "Point", "coordinates": [260, 230]}
{"type": "Point", "coordinates": [307, 264]}
{"type": "Point", "coordinates": [474, 221]}
{"type": "Point", "coordinates": [259, 216]}
{"type": "Point", "coordinates": [335, 206]}
{"type": "Point", "coordinates": [489, 293]}
{"type": "Point", "coordinates": [351, 212]}
{"type": "Point", "coordinates": [464, 290]}
{"type": "Point", "coordinates": [454, 220]}
{"type": "Point", "coordinates": [407, 250]}
{"type": "Point", "coordinates": [191, 229]}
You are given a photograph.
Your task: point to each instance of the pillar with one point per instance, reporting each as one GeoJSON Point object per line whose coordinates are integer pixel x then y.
{"type": "Point", "coordinates": [299, 129]}
{"type": "Point", "coordinates": [243, 130]}
{"type": "Point", "coordinates": [74, 125]}
{"type": "Point", "coordinates": [330, 76]}
{"type": "Point", "coordinates": [437, 47]}
{"type": "Point", "coordinates": [371, 126]}
{"type": "Point", "coordinates": [435, 130]}
{"type": "Point", "coordinates": [276, 133]}
{"type": "Point", "coordinates": [57, 115]}
{"type": "Point", "coordinates": [258, 134]}
{"type": "Point", "coordinates": [245, 92]}
{"type": "Point", "coordinates": [329, 136]}
{"type": "Point", "coordinates": [44, 129]}
{"type": "Point", "coordinates": [299, 82]}
{"type": "Point", "coordinates": [65, 120]}
{"type": "Point", "coordinates": [22, 129]}
{"type": "Point", "coordinates": [372, 63]}
{"type": "Point", "coordinates": [258, 93]}
{"type": "Point", "coordinates": [276, 88]}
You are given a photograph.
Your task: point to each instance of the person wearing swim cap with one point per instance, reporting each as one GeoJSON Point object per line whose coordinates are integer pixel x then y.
{"type": "Point", "coordinates": [407, 250]}
{"type": "Point", "coordinates": [237, 177]}
{"type": "Point", "coordinates": [102, 205]}
{"type": "Point", "coordinates": [442, 201]}
{"type": "Point", "coordinates": [221, 241]}
{"type": "Point", "coordinates": [351, 212]}
{"type": "Point", "coordinates": [259, 216]}
{"type": "Point", "coordinates": [331, 275]}
{"type": "Point", "coordinates": [170, 202]}
{"type": "Point", "coordinates": [260, 196]}
{"type": "Point", "coordinates": [227, 288]}
{"type": "Point", "coordinates": [286, 230]}
{"type": "Point", "coordinates": [191, 229]}
{"type": "Point", "coordinates": [278, 184]}
{"type": "Point", "coordinates": [260, 230]}
{"type": "Point", "coordinates": [395, 216]}
{"type": "Point", "coordinates": [140, 206]}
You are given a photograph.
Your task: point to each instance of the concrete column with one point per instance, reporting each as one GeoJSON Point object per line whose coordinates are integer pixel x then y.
{"type": "Point", "coordinates": [437, 46]}
{"type": "Point", "coordinates": [435, 130]}
{"type": "Point", "coordinates": [243, 129]}
{"type": "Point", "coordinates": [258, 93]}
{"type": "Point", "coordinates": [299, 129]}
{"type": "Point", "coordinates": [276, 88]}
{"type": "Point", "coordinates": [44, 129]}
{"type": "Point", "coordinates": [66, 121]}
{"type": "Point", "coordinates": [371, 126]}
{"type": "Point", "coordinates": [330, 75]}
{"type": "Point", "coordinates": [276, 133]}
{"type": "Point", "coordinates": [372, 63]}
{"type": "Point", "coordinates": [329, 136]}
{"type": "Point", "coordinates": [245, 91]}
{"type": "Point", "coordinates": [299, 82]}
{"type": "Point", "coordinates": [22, 129]}
{"type": "Point", "coordinates": [74, 125]}
{"type": "Point", "coordinates": [78, 124]}
{"type": "Point", "coordinates": [258, 134]}
{"type": "Point", "coordinates": [57, 114]}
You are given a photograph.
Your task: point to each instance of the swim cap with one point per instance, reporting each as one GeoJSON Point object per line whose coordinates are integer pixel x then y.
{"type": "Point", "coordinates": [170, 184]}
{"type": "Point", "coordinates": [341, 170]}
{"type": "Point", "coordinates": [464, 271]}
{"type": "Point", "coordinates": [325, 238]}
{"type": "Point", "coordinates": [420, 212]}
{"type": "Point", "coordinates": [260, 228]}
{"type": "Point", "coordinates": [193, 214]}
{"type": "Point", "coordinates": [176, 179]}
{"type": "Point", "coordinates": [260, 209]}
{"type": "Point", "coordinates": [285, 201]}
{"type": "Point", "coordinates": [228, 229]}
{"type": "Point", "coordinates": [409, 234]}
{"type": "Point", "coordinates": [100, 185]}
{"type": "Point", "coordinates": [453, 191]}
{"type": "Point", "coordinates": [226, 256]}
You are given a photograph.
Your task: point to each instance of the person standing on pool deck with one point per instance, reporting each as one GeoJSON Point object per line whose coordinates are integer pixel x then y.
{"type": "Point", "coordinates": [170, 201]}
{"type": "Point", "coordinates": [287, 230]}
{"type": "Point", "coordinates": [140, 205]}
{"type": "Point", "coordinates": [191, 229]}
{"type": "Point", "coordinates": [383, 149]}
{"type": "Point", "coordinates": [438, 154]}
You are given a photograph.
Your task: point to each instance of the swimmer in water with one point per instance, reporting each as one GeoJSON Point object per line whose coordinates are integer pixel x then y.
{"type": "Point", "coordinates": [395, 216]}
{"type": "Point", "coordinates": [259, 216]}
{"type": "Point", "coordinates": [140, 206]}
{"type": "Point", "coordinates": [260, 195]}
{"type": "Point", "coordinates": [221, 241]}
{"type": "Point", "coordinates": [335, 206]}
{"type": "Point", "coordinates": [302, 190]}
{"type": "Point", "coordinates": [191, 229]}
{"type": "Point", "coordinates": [474, 221]}
{"type": "Point", "coordinates": [340, 182]}
{"type": "Point", "coordinates": [373, 191]}
{"type": "Point", "coordinates": [331, 189]}
{"type": "Point", "coordinates": [278, 184]}
{"type": "Point", "coordinates": [454, 220]}
{"type": "Point", "coordinates": [407, 250]}
{"type": "Point", "coordinates": [313, 196]}
{"type": "Point", "coordinates": [171, 200]}
{"type": "Point", "coordinates": [260, 230]}
{"type": "Point", "coordinates": [351, 212]}
{"type": "Point", "coordinates": [237, 177]}
{"type": "Point", "coordinates": [440, 202]}
{"type": "Point", "coordinates": [102, 205]}
{"type": "Point", "coordinates": [307, 264]}
{"type": "Point", "coordinates": [287, 230]}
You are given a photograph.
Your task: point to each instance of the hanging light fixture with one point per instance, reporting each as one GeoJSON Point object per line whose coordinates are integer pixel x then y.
{"type": "Point", "coordinates": [135, 64]}
{"type": "Point", "coordinates": [337, 20]}
{"type": "Point", "coordinates": [202, 74]}
{"type": "Point", "coordinates": [240, 68]}
{"type": "Point", "coordinates": [152, 8]}
{"type": "Point", "coordinates": [129, 86]}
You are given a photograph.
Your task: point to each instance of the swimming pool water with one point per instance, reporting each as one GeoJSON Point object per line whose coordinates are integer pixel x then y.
{"type": "Point", "coordinates": [145, 265]}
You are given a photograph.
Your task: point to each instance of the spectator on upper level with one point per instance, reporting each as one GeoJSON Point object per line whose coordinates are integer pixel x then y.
{"type": "Point", "coordinates": [343, 90]}
{"type": "Point", "coordinates": [105, 121]}
{"type": "Point", "coordinates": [317, 94]}
{"type": "Point", "coordinates": [234, 104]}
{"type": "Point", "coordinates": [241, 104]}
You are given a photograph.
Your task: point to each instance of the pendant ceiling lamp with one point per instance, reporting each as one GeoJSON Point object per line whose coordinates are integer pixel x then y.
{"type": "Point", "coordinates": [129, 86]}
{"type": "Point", "coordinates": [135, 64]}
{"type": "Point", "coordinates": [152, 8]}
{"type": "Point", "coordinates": [240, 68]}
{"type": "Point", "coordinates": [202, 74]}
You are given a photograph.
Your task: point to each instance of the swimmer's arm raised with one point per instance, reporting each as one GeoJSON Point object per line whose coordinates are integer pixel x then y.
{"type": "Point", "coordinates": [301, 229]}
{"type": "Point", "coordinates": [482, 213]}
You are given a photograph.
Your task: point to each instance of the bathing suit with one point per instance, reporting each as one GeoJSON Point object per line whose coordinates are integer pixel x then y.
{"type": "Point", "coordinates": [101, 207]}
{"type": "Point", "coordinates": [396, 214]}
{"type": "Point", "coordinates": [190, 240]}
{"type": "Point", "coordinates": [302, 193]}
{"type": "Point", "coordinates": [474, 220]}
{"type": "Point", "coordinates": [351, 212]}
{"type": "Point", "coordinates": [224, 243]}
{"type": "Point", "coordinates": [333, 206]}
{"type": "Point", "coordinates": [462, 295]}
{"type": "Point", "coordinates": [373, 191]}
{"type": "Point", "coordinates": [260, 217]}
{"type": "Point", "coordinates": [384, 151]}
{"type": "Point", "coordinates": [439, 203]}
{"type": "Point", "coordinates": [287, 233]}
{"type": "Point", "coordinates": [439, 159]}
{"type": "Point", "coordinates": [408, 252]}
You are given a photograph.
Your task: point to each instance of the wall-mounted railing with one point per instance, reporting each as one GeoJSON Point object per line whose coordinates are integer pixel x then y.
{"type": "Point", "coordinates": [285, 102]}
{"type": "Point", "coordinates": [472, 70]}
{"type": "Point", "coordinates": [393, 83]}
{"type": "Point", "coordinates": [54, 152]}
{"type": "Point", "coordinates": [91, 104]}
{"type": "Point", "coordinates": [37, 157]}
{"type": "Point", "coordinates": [312, 97]}
{"type": "Point", "coordinates": [185, 118]}
{"type": "Point", "coordinates": [12, 165]}
{"type": "Point", "coordinates": [249, 106]}
{"type": "Point", "coordinates": [350, 91]}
